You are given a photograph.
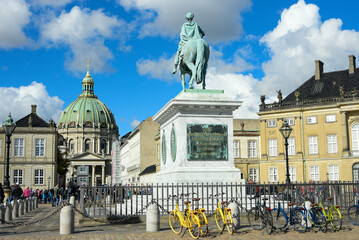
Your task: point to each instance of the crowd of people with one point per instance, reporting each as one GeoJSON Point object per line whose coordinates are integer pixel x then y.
{"type": "Point", "coordinates": [53, 196]}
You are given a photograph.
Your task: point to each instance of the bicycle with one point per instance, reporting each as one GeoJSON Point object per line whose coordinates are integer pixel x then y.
{"type": "Point", "coordinates": [223, 215]}
{"type": "Point", "coordinates": [260, 217]}
{"type": "Point", "coordinates": [201, 215]}
{"type": "Point", "coordinates": [316, 217]}
{"type": "Point", "coordinates": [332, 215]}
{"type": "Point", "coordinates": [353, 211]}
{"type": "Point", "coordinates": [189, 219]}
{"type": "Point", "coordinates": [296, 217]}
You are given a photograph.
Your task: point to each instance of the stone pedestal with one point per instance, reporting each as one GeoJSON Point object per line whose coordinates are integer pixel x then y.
{"type": "Point", "coordinates": [197, 138]}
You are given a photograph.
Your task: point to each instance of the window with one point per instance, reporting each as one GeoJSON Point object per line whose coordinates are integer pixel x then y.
{"type": "Point", "coordinates": [40, 147]}
{"type": "Point", "coordinates": [333, 173]}
{"type": "Point", "coordinates": [71, 145]}
{"type": "Point", "coordinates": [311, 120]}
{"type": "Point", "coordinates": [293, 174]}
{"type": "Point", "coordinates": [103, 146]}
{"type": "Point", "coordinates": [18, 176]}
{"type": "Point", "coordinates": [253, 174]}
{"type": "Point", "coordinates": [87, 145]}
{"type": "Point", "coordinates": [273, 174]}
{"type": "Point", "coordinates": [290, 121]}
{"type": "Point", "coordinates": [39, 177]}
{"type": "Point", "coordinates": [236, 149]}
{"type": "Point", "coordinates": [332, 143]}
{"type": "Point", "coordinates": [252, 149]}
{"type": "Point", "coordinates": [291, 146]}
{"type": "Point", "coordinates": [19, 147]}
{"type": "Point", "coordinates": [314, 173]}
{"type": "Point", "coordinates": [355, 139]}
{"type": "Point", "coordinates": [313, 144]}
{"type": "Point", "coordinates": [272, 123]}
{"type": "Point", "coordinates": [330, 118]}
{"type": "Point", "coordinates": [272, 147]}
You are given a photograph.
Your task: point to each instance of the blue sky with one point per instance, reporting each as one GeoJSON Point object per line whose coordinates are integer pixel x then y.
{"type": "Point", "coordinates": [257, 47]}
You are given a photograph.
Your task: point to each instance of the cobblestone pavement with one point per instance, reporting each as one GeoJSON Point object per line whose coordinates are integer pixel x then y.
{"type": "Point", "coordinates": [89, 230]}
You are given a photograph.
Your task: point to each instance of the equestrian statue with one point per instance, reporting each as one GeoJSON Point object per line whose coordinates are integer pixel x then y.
{"type": "Point", "coordinates": [192, 54]}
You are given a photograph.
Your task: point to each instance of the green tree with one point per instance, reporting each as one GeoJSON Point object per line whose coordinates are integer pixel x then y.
{"type": "Point", "coordinates": [62, 163]}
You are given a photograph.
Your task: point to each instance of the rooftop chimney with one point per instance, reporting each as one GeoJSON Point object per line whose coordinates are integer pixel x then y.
{"type": "Point", "coordinates": [352, 66]}
{"type": "Point", "coordinates": [33, 109]}
{"type": "Point", "coordinates": [318, 69]}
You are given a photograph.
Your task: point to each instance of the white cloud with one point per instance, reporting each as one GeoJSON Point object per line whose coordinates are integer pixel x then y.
{"type": "Point", "coordinates": [297, 41]}
{"type": "Point", "coordinates": [220, 21]}
{"type": "Point", "coordinates": [18, 101]}
{"type": "Point", "coordinates": [14, 16]}
{"type": "Point", "coordinates": [135, 123]}
{"type": "Point", "coordinates": [52, 3]}
{"type": "Point", "coordinates": [85, 32]}
{"type": "Point", "coordinates": [158, 68]}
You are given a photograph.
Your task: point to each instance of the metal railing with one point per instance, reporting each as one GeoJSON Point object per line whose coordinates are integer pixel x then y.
{"type": "Point", "coordinates": [133, 200]}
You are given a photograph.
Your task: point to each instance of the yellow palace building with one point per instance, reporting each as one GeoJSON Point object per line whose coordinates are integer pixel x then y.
{"type": "Point", "coordinates": [324, 115]}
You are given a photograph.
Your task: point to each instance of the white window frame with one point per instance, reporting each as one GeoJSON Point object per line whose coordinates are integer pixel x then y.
{"type": "Point", "coordinates": [253, 174]}
{"type": "Point", "coordinates": [40, 147]}
{"type": "Point", "coordinates": [355, 139]}
{"type": "Point", "coordinates": [252, 148]}
{"type": "Point", "coordinates": [273, 174]}
{"type": "Point", "coordinates": [236, 149]}
{"type": "Point", "coordinates": [19, 147]}
{"type": "Point", "coordinates": [293, 173]}
{"type": "Point", "coordinates": [312, 120]}
{"type": "Point", "coordinates": [330, 118]}
{"type": "Point", "coordinates": [332, 143]}
{"type": "Point", "coordinates": [18, 176]}
{"type": "Point", "coordinates": [290, 121]}
{"type": "Point", "coordinates": [314, 173]}
{"type": "Point", "coordinates": [313, 145]}
{"type": "Point", "coordinates": [333, 171]}
{"type": "Point", "coordinates": [291, 146]}
{"type": "Point", "coordinates": [273, 147]}
{"type": "Point", "coordinates": [272, 123]}
{"type": "Point", "coordinates": [39, 176]}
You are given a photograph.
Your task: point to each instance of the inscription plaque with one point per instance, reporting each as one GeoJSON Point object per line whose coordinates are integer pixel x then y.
{"type": "Point", "coordinates": [207, 142]}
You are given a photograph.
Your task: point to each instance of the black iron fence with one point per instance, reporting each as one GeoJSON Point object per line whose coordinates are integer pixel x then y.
{"type": "Point", "coordinates": [133, 200]}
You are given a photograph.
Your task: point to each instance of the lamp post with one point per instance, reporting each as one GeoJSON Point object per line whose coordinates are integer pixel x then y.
{"type": "Point", "coordinates": [9, 127]}
{"type": "Point", "coordinates": [286, 130]}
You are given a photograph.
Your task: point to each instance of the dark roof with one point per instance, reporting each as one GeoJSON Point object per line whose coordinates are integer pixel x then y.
{"type": "Point", "coordinates": [149, 169]}
{"type": "Point", "coordinates": [327, 86]}
{"type": "Point", "coordinates": [36, 121]}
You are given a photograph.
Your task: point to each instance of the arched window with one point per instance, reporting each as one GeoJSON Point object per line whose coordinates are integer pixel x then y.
{"type": "Point", "coordinates": [103, 146]}
{"type": "Point", "coordinates": [87, 145]}
{"type": "Point", "coordinates": [356, 172]}
{"type": "Point", "coordinates": [355, 139]}
{"type": "Point", "coordinates": [71, 145]}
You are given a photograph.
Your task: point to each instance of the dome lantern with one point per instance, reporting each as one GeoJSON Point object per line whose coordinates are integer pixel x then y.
{"type": "Point", "coordinates": [88, 84]}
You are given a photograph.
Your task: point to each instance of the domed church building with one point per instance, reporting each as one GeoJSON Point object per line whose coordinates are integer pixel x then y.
{"type": "Point", "coordinates": [88, 128]}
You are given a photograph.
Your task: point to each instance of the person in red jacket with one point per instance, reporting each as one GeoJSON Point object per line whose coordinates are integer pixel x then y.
{"type": "Point", "coordinates": [27, 192]}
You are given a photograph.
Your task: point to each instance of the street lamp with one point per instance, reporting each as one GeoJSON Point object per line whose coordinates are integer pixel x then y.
{"type": "Point", "coordinates": [286, 130]}
{"type": "Point", "coordinates": [9, 127]}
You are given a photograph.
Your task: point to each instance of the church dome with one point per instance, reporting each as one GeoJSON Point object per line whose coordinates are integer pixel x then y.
{"type": "Point", "coordinates": [87, 110]}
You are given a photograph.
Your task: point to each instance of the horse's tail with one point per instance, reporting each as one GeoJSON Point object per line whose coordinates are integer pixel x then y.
{"type": "Point", "coordinates": [201, 61]}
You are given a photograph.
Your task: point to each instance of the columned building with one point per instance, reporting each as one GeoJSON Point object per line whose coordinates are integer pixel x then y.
{"type": "Point", "coordinates": [88, 128]}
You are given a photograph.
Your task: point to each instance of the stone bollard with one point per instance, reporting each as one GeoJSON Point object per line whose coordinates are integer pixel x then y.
{"type": "Point", "coordinates": [8, 212]}
{"type": "Point", "coordinates": [26, 205]}
{"type": "Point", "coordinates": [30, 204]}
{"type": "Point", "coordinates": [15, 209]}
{"type": "Point", "coordinates": [36, 202]}
{"type": "Point", "coordinates": [2, 212]}
{"type": "Point", "coordinates": [21, 203]}
{"type": "Point", "coordinates": [67, 220]}
{"type": "Point", "coordinates": [33, 203]}
{"type": "Point", "coordinates": [307, 206]}
{"type": "Point", "coordinates": [152, 218]}
{"type": "Point", "coordinates": [72, 201]}
{"type": "Point", "coordinates": [235, 214]}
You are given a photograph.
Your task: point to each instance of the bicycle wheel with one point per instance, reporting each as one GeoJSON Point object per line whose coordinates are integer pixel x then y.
{"type": "Point", "coordinates": [299, 220]}
{"type": "Point", "coordinates": [203, 224]}
{"type": "Point", "coordinates": [320, 221]}
{"type": "Point", "coordinates": [194, 226]}
{"type": "Point", "coordinates": [279, 221]}
{"type": "Point", "coordinates": [219, 219]}
{"type": "Point", "coordinates": [230, 224]}
{"type": "Point", "coordinates": [175, 222]}
{"type": "Point", "coordinates": [353, 214]}
{"type": "Point", "coordinates": [268, 221]}
{"type": "Point", "coordinates": [255, 219]}
{"type": "Point", "coordinates": [336, 219]}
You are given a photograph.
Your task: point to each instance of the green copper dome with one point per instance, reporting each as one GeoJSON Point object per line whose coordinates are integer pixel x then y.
{"type": "Point", "coordinates": [87, 110]}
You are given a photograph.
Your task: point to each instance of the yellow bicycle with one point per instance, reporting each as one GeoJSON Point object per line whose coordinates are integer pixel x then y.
{"type": "Point", "coordinates": [202, 217]}
{"type": "Point", "coordinates": [223, 215]}
{"type": "Point", "coordinates": [189, 219]}
{"type": "Point", "coordinates": [332, 215]}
